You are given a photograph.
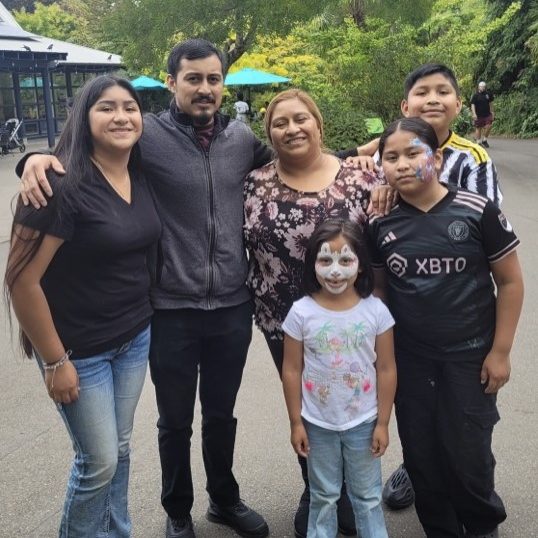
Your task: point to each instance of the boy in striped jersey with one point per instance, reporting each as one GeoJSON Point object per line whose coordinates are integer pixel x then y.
{"type": "Point", "coordinates": [431, 92]}
{"type": "Point", "coordinates": [436, 256]}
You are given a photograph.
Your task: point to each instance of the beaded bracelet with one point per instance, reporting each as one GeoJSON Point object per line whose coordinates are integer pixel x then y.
{"type": "Point", "coordinates": [48, 366]}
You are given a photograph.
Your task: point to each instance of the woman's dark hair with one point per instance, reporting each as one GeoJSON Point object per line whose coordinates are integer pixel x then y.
{"type": "Point", "coordinates": [353, 234]}
{"type": "Point", "coordinates": [422, 129]}
{"type": "Point", "coordinates": [74, 149]}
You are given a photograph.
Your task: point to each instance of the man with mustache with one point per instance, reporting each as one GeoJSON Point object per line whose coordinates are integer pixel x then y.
{"type": "Point", "coordinates": [197, 159]}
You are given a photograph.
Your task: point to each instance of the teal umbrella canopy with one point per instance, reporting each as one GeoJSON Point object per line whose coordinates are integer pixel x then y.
{"type": "Point", "coordinates": [252, 77]}
{"type": "Point", "coordinates": [146, 83]}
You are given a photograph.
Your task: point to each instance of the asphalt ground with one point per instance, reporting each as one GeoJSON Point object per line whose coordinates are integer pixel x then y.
{"type": "Point", "coordinates": [35, 451]}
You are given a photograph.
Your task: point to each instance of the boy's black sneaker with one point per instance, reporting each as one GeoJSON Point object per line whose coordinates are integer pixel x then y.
{"type": "Point", "coordinates": [485, 143]}
{"type": "Point", "coordinates": [300, 521]}
{"type": "Point", "coordinates": [179, 528]}
{"type": "Point", "coordinates": [242, 519]}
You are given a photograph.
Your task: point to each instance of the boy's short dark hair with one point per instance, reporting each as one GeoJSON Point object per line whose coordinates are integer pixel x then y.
{"type": "Point", "coordinates": [327, 231]}
{"type": "Point", "coordinates": [191, 49]}
{"type": "Point", "coordinates": [425, 70]}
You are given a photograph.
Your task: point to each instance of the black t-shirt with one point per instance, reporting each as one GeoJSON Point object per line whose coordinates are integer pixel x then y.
{"type": "Point", "coordinates": [441, 293]}
{"type": "Point", "coordinates": [97, 284]}
{"type": "Point", "coordinates": [481, 102]}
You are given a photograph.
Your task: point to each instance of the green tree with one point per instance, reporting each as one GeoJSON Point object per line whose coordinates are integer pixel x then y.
{"type": "Point", "coordinates": [231, 24]}
{"type": "Point", "coordinates": [413, 12]}
{"type": "Point", "coordinates": [50, 21]}
{"type": "Point", "coordinates": [510, 66]}
{"type": "Point", "coordinates": [457, 34]}
{"type": "Point", "coordinates": [509, 58]}
{"type": "Point", "coordinates": [366, 66]}
{"type": "Point", "coordinates": [90, 17]}
{"type": "Point", "coordinates": [28, 5]}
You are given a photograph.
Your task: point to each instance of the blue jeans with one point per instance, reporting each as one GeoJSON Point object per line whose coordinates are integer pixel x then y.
{"type": "Point", "coordinates": [100, 423]}
{"type": "Point", "coordinates": [333, 453]}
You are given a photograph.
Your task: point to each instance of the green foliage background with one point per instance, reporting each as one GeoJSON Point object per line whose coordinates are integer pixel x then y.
{"type": "Point", "coordinates": [351, 56]}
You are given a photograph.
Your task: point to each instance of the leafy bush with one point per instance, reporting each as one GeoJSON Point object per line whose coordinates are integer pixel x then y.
{"type": "Point", "coordinates": [463, 124]}
{"type": "Point", "coordinates": [344, 126]}
{"type": "Point", "coordinates": [259, 130]}
{"type": "Point", "coordinates": [516, 114]}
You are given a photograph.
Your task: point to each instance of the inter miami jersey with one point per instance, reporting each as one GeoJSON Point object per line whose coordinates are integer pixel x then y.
{"type": "Point", "coordinates": [467, 165]}
{"type": "Point", "coordinates": [440, 290]}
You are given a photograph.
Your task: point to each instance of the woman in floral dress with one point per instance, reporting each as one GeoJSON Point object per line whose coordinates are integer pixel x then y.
{"type": "Point", "coordinates": [284, 202]}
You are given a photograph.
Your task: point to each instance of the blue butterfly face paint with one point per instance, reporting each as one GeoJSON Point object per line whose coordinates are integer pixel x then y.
{"type": "Point", "coordinates": [425, 172]}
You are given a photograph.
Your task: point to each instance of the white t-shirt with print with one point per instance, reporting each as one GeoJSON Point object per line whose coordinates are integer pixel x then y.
{"type": "Point", "coordinates": [339, 376]}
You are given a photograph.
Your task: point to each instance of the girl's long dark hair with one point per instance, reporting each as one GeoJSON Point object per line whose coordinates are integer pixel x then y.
{"type": "Point", "coordinates": [74, 150]}
{"type": "Point", "coordinates": [327, 231]}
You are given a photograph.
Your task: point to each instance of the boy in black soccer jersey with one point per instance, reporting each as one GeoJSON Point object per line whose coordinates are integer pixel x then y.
{"type": "Point", "coordinates": [435, 254]}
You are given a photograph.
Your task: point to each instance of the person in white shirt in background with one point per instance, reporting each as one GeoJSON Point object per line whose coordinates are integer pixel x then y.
{"type": "Point", "coordinates": [241, 108]}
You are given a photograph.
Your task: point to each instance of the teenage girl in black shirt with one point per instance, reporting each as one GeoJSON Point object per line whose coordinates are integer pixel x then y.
{"type": "Point", "coordinates": [79, 284]}
{"type": "Point", "coordinates": [435, 253]}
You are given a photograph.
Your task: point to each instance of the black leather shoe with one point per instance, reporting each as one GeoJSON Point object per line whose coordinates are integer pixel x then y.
{"type": "Point", "coordinates": [242, 519]}
{"type": "Point", "coordinates": [179, 528]}
{"type": "Point", "coordinates": [300, 521]}
{"type": "Point", "coordinates": [493, 534]}
{"type": "Point", "coordinates": [346, 517]}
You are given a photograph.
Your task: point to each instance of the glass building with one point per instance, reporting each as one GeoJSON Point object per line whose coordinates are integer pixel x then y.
{"type": "Point", "coordinates": [39, 74]}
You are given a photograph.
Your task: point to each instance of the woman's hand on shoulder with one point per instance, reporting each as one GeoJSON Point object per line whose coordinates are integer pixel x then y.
{"type": "Point", "coordinates": [62, 384]}
{"type": "Point", "coordinates": [364, 162]}
{"type": "Point", "coordinates": [380, 440]}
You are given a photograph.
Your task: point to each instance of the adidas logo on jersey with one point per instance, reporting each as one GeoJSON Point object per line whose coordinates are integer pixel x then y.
{"type": "Point", "coordinates": [388, 238]}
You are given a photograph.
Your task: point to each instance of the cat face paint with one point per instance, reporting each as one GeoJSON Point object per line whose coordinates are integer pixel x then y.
{"type": "Point", "coordinates": [425, 171]}
{"type": "Point", "coordinates": [336, 270]}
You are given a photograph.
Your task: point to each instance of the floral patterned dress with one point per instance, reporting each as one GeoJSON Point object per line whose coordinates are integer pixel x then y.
{"type": "Point", "coordinates": [278, 224]}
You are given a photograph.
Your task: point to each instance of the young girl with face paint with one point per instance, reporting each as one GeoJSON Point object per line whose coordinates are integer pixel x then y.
{"type": "Point", "coordinates": [434, 256]}
{"type": "Point", "coordinates": [339, 379]}
{"type": "Point", "coordinates": [411, 160]}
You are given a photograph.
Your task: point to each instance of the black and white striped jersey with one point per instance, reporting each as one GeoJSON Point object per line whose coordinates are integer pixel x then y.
{"type": "Point", "coordinates": [440, 289]}
{"type": "Point", "coordinates": [468, 166]}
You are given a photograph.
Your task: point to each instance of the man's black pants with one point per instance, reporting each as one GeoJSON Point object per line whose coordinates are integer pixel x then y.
{"type": "Point", "coordinates": [215, 344]}
{"type": "Point", "coordinates": [445, 423]}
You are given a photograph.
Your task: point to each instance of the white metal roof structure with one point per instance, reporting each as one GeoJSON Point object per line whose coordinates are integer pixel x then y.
{"type": "Point", "coordinates": [23, 53]}
{"type": "Point", "coordinates": [14, 39]}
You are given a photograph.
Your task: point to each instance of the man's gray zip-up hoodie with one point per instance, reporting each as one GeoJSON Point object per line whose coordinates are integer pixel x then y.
{"type": "Point", "coordinates": [200, 260]}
